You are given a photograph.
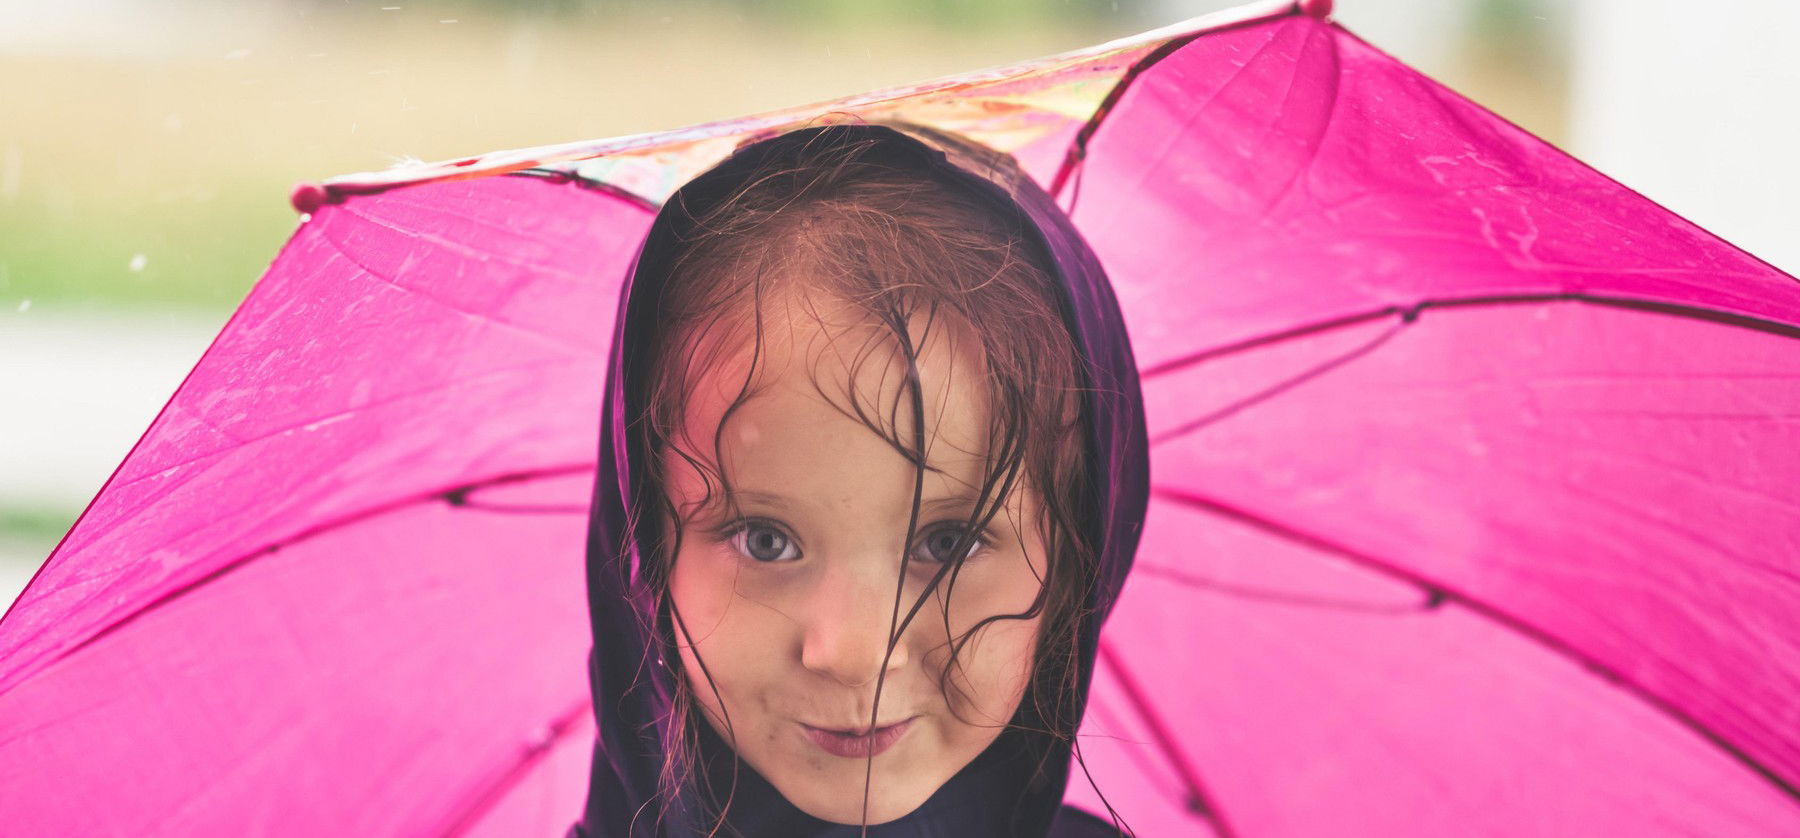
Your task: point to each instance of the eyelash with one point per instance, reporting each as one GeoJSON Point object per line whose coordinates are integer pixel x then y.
{"type": "Point", "coordinates": [734, 532]}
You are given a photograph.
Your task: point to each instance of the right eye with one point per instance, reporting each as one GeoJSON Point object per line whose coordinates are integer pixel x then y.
{"type": "Point", "coordinates": [764, 543]}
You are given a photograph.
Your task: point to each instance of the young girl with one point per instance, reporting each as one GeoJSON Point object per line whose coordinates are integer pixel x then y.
{"type": "Point", "coordinates": [872, 471]}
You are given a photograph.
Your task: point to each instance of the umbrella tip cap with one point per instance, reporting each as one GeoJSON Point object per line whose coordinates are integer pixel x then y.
{"type": "Point", "coordinates": [1319, 9]}
{"type": "Point", "coordinates": [309, 197]}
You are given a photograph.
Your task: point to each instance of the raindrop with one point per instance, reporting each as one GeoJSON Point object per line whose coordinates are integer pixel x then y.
{"type": "Point", "coordinates": [238, 54]}
{"type": "Point", "coordinates": [138, 261]}
{"type": "Point", "coordinates": [390, 8]}
{"type": "Point", "coordinates": [449, 20]}
{"type": "Point", "coordinates": [24, 306]}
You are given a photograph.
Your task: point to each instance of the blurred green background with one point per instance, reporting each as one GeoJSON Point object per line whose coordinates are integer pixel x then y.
{"type": "Point", "coordinates": [147, 146]}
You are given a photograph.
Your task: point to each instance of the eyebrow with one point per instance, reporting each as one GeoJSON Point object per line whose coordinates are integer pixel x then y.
{"type": "Point", "coordinates": [781, 502]}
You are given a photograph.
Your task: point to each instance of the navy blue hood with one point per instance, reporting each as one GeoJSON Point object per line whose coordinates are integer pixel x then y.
{"type": "Point", "coordinates": [632, 688]}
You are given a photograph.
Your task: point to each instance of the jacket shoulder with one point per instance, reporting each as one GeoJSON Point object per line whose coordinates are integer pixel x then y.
{"type": "Point", "coordinates": [1078, 823]}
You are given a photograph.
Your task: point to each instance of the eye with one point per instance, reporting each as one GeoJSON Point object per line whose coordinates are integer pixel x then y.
{"type": "Point", "coordinates": [940, 544]}
{"type": "Point", "coordinates": [764, 543]}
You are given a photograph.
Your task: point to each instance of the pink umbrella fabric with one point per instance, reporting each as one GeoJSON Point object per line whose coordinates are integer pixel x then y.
{"type": "Point", "coordinates": [1473, 480]}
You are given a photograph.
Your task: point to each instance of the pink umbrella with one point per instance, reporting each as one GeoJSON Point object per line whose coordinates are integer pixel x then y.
{"type": "Point", "coordinates": [1473, 513]}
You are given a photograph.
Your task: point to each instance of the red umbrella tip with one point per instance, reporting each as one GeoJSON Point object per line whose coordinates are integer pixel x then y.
{"type": "Point", "coordinates": [308, 197]}
{"type": "Point", "coordinates": [1320, 9]}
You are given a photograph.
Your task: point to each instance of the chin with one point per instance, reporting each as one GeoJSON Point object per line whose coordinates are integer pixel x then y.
{"type": "Point", "coordinates": [842, 803]}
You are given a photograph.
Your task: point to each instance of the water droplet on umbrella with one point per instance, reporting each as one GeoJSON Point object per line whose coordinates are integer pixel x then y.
{"type": "Point", "coordinates": [138, 261]}
{"type": "Point", "coordinates": [539, 738]}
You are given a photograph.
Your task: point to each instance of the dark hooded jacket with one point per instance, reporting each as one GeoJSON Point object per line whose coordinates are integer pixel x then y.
{"type": "Point", "coordinates": [1001, 792]}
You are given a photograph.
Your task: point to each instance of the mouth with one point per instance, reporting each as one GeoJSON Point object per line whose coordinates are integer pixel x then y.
{"type": "Point", "coordinates": [858, 743]}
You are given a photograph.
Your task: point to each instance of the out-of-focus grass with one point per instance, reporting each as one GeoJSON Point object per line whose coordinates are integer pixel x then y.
{"type": "Point", "coordinates": [37, 524]}
{"type": "Point", "coordinates": [27, 535]}
{"type": "Point", "coordinates": [185, 253]}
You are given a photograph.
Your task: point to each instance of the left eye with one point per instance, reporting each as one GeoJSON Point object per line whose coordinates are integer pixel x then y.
{"type": "Point", "coordinates": [940, 544]}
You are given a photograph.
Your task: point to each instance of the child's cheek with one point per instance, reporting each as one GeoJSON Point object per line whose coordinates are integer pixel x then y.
{"type": "Point", "coordinates": [994, 669]}
{"type": "Point", "coordinates": [1000, 584]}
{"type": "Point", "coordinates": [995, 664]}
{"type": "Point", "coordinates": [730, 604]}
{"type": "Point", "coordinates": [702, 588]}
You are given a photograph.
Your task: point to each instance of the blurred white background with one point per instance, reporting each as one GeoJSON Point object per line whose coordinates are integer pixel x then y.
{"type": "Point", "coordinates": [146, 145]}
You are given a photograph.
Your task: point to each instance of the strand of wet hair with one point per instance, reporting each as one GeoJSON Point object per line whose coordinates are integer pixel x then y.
{"type": "Point", "coordinates": [897, 320]}
{"type": "Point", "coordinates": [718, 443]}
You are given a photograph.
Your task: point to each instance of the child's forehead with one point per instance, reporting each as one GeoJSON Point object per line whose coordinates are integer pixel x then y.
{"type": "Point", "coordinates": [813, 353]}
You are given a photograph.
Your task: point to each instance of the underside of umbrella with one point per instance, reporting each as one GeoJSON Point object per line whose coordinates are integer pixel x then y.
{"type": "Point", "coordinates": [1473, 513]}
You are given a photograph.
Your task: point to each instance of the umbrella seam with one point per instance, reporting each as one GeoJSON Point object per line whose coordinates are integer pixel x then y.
{"type": "Point", "coordinates": [485, 801]}
{"type": "Point", "coordinates": [1430, 603]}
{"type": "Point", "coordinates": [1278, 388]}
{"type": "Point", "coordinates": [1446, 89]}
{"type": "Point", "coordinates": [1537, 635]}
{"type": "Point", "coordinates": [378, 510]}
{"type": "Point", "coordinates": [1200, 802]}
{"type": "Point", "coordinates": [1409, 313]}
{"type": "Point", "coordinates": [1077, 151]}
{"type": "Point", "coordinates": [1317, 140]}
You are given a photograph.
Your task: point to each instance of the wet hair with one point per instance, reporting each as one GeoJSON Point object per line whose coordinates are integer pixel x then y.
{"type": "Point", "coordinates": [914, 253]}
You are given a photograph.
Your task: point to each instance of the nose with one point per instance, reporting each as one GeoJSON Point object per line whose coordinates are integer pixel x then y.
{"type": "Point", "coordinates": [847, 627]}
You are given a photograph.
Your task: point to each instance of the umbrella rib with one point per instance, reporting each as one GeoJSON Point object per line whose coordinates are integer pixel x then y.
{"type": "Point", "coordinates": [1277, 388]}
{"type": "Point", "coordinates": [1199, 801]}
{"type": "Point", "coordinates": [1431, 601]}
{"type": "Point", "coordinates": [1410, 313]}
{"type": "Point", "coordinates": [459, 499]}
{"type": "Point", "coordinates": [377, 510]}
{"type": "Point", "coordinates": [486, 799]}
{"type": "Point", "coordinates": [1078, 146]}
{"type": "Point", "coordinates": [1491, 612]}
{"type": "Point", "coordinates": [1101, 715]}
{"type": "Point", "coordinates": [574, 176]}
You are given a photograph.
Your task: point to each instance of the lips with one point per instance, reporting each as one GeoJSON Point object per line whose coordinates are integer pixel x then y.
{"type": "Point", "coordinates": [857, 744]}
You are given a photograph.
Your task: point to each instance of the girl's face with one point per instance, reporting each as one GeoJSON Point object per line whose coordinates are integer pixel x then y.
{"type": "Point", "coordinates": [789, 601]}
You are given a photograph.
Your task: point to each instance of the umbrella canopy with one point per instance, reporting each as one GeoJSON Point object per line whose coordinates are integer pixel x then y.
{"type": "Point", "coordinates": [1473, 482]}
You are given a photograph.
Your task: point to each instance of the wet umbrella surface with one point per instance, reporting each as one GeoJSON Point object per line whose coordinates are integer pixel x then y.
{"type": "Point", "coordinates": [1474, 505]}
